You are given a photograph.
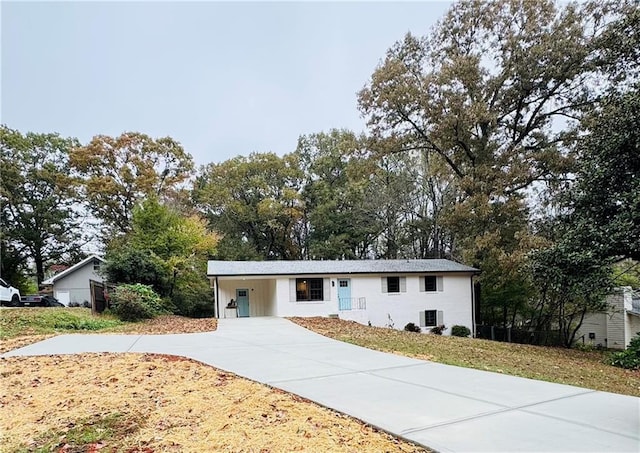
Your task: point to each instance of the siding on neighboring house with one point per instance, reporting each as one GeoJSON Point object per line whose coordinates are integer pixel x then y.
{"type": "Point", "coordinates": [594, 323]}
{"type": "Point", "coordinates": [615, 321]}
{"type": "Point", "coordinates": [76, 284]}
{"type": "Point", "coordinates": [615, 328]}
{"type": "Point", "coordinates": [631, 322]}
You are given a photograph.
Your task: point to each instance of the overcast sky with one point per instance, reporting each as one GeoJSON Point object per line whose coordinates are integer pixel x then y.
{"type": "Point", "coordinates": [222, 78]}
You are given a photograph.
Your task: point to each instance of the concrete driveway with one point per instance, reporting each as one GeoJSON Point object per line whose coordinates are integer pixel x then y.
{"type": "Point", "coordinates": [443, 407]}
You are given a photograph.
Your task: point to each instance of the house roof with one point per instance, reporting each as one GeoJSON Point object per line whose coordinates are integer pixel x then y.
{"type": "Point", "coordinates": [262, 268]}
{"type": "Point", "coordinates": [75, 267]}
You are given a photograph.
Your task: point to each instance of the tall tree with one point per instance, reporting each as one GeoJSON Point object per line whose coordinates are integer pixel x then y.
{"type": "Point", "coordinates": [483, 92]}
{"type": "Point", "coordinates": [570, 282]}
{"type": "Point", "coordinates": [254, 203]}
{"type": "Point", "coordinates": [41, 219]}
{"type": "Point", "coordinates": [340, 206]}
{"type": "Point", "coordinates": [119, 171]}
{"type": "Point", "coordinates": [604, 204]}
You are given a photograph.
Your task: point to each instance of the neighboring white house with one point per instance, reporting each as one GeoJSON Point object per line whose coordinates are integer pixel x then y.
{"type": "Point", "coordinates": [381, 292]}
{"type": "Point", "coordinates": [618, 326]}
{"type": "Point", "coordinates": [72, 284]}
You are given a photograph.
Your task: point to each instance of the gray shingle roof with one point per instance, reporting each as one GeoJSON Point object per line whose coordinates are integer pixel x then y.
{"type": "Point", "coordinates": [241, 268]}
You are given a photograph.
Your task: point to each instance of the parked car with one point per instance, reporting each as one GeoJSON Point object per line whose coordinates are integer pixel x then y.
{"type": "Point", "coordinates": [8, 294]}
{"type": "Point", "coordinates": [40, 300]}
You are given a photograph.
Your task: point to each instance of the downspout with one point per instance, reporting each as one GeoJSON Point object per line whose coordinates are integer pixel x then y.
{"type": "Point", "coordinates": [217, 299]}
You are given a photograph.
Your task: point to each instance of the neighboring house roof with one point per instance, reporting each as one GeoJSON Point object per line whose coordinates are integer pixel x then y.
{"type": "Point", "coordinates": [75, 267]}
{"type": "Point", "coordinates": [247, 268]}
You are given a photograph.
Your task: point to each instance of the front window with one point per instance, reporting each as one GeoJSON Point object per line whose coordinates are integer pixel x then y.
{"type": "Point", "coordinates": [430, 283]}
{"type": "Point", "coordinates": [308, 289]}
{"type": "Point", "coordinates": [393, 284]}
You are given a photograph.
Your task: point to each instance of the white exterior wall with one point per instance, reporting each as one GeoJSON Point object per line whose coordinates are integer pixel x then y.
{"type": "Point", "coordinates": [399, 309]}
{"type": "Point", "coordinates": [455, 300]}
{"type": "Point", "coordinates": [289, 307]}
{"type": "Point", "coordinates": [76, 284]}
{"type": "Point", "coordinates": [261, 296]}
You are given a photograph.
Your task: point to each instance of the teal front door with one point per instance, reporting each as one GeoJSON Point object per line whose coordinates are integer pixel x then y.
{"type": "Point", "coordinates": [344, 294]}
{"type": "Point", "coordinates": [242, 300]}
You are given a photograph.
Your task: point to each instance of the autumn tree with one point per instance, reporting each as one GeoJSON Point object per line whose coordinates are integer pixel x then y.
{"type": "Point", "coordinates": [253, 203]}
{"type": "Point", "coordinates": [493, 96]}
{"type": "Point", "coordinates": [118, 172]}
{"type": "Point", "coordinates": [483, 92]}
{"type": "Point", "coordinates": [41, 219]}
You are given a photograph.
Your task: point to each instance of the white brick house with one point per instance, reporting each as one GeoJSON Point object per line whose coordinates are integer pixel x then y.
{"type": "Point", "coordinates": [381, 292]}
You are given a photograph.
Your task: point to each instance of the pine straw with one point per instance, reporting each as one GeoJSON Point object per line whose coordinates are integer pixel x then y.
{"type": "Point", "coordinates": [166, 403]}
{"type": "Point", "coordinates": [168, 324]}
{"type": "Point", "coordinates": [566, 366]}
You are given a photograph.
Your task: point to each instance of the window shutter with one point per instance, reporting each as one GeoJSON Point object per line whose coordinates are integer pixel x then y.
{"type": "Point", "coordinates": [292, 290]}
{"type": "Point", "coordinates": [403, 284]}
{"type": "Point", "coordinates": [423, 319]}
{"type": "Point", "coordinates": [384, 285]}
{"type": "Point", "coordinates": [440, 283]}
{"type": "Point", "coordinates": [422, 284]}
{"type": "Point", "coordinates": [326, 290]}
{"type": "Point", "coordinates": [440, 317]}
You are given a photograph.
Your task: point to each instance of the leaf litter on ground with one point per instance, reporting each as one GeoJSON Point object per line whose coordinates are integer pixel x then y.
{"type": "Point", "coordinates": [158, 403]}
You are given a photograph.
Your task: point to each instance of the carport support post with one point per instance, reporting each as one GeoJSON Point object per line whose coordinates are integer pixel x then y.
{"type": "Point", "coordinates": [217, 299]}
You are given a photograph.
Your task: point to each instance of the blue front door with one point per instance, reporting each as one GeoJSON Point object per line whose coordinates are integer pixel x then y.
{"type": "Point", "coordinates": [344, 293]}
{"type": "Point", "coordinates": [242, 299]}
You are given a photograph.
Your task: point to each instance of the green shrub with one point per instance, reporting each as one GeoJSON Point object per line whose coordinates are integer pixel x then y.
{"type": "Point", "coordinates": [193, 298]}
{"type": "Point", "coordinates": [136, 302]}
{"type": "Point", "coordinates": [460, 331]}
{"type": "Point", "coordinates": [585, 347]}
{"type": "Point", "coordinates": [630, 357]}
{"type": "Point", "coordinates": [411, 327]}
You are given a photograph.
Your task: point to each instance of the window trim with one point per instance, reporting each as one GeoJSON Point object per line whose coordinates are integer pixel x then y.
{"type": "Point", "coordinates": [402, 284]}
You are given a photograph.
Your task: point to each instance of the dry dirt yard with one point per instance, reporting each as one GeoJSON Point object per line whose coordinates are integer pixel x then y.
{"type": "Point", "coordinates": [156, 403]}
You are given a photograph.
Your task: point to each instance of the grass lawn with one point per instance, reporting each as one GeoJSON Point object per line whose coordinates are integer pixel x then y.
{"type": "Point", "coordinates": [566, 366]}
{"type": "Point", "coordinates": [22, 326]}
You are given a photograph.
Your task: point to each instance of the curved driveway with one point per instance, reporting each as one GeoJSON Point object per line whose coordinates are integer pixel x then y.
{"type": "Point", "coordinates": [443, 407]}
